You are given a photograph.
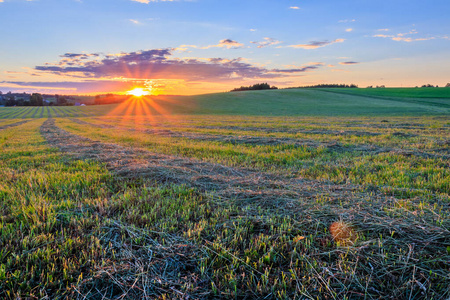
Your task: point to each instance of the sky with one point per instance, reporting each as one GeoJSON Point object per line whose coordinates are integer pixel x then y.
{"type": "Point", "coordinates": [190, 47]}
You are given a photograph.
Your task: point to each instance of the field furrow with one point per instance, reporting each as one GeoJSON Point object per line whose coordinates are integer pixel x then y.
{"type": "Point", "coordinates": [49, 114]}
{"type": "Point", "coordinates": [62, 111]}
{"type": "Point", "coordinates": [35, 112]}
{"type": "Point", "coordinates": [13, 124]}
{"type": "Point", "coordinates": [55, 112]}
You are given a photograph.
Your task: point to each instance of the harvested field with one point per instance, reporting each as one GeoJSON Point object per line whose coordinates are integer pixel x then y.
{"type": "Point", "coordinates": [222, 207]}
{"type": "Point", "coordinates": [332, 146]}
{"type": "Point", "coordinates": [307, 207]}
{"type": "Point", "coordinates": [12, 124]}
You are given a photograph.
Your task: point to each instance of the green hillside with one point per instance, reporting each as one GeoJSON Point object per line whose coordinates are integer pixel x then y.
{"type": "Point", "coordinates": [443, 93]}
{"type": "Point", "coordinates": [288, 102]}
{"type": "Point", "coordinates": [295, 102]}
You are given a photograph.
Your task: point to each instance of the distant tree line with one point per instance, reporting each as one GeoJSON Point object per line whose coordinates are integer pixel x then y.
{"type": "Point", "coordinates": [35, 99]}
{"type": "Point", "coordinates": [255, 87]}
{"type": "Point", "coordinates": [329, 85]}
{"type": "Point", "coordinates": [432, 86]}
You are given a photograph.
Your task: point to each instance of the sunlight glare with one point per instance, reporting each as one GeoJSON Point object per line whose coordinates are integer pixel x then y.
{"type": "Point", "coordinates": [138, 92]}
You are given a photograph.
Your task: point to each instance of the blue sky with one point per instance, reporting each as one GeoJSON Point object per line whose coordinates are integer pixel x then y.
{"type": "Point", "coordinates": [202, 46]}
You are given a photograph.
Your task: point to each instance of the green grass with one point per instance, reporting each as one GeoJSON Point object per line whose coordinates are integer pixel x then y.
{"type": "Point", "coordinates": [438, 93]}
{"type": "Point", "coordinates": [43, 112]}
{"type": "Point", "coordinates": [85, 232]}
{"type": "Point", "coordinates": [289, 102]}
{"type": "Point", "coordinates": [294, 102]}
{"type": "Point", "coordinates": [109, 226]}
{"type": "Point", "coordinates": [395, 169]}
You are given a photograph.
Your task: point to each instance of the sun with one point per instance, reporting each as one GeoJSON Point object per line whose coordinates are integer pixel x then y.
{"type": "Point", "coordinates": [138, 92]}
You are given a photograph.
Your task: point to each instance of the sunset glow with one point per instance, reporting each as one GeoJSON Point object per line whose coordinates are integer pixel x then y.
{"type": "Point", "coordinates": [200, 47]}
{"type": "Point", "coordinates": [138, 92]}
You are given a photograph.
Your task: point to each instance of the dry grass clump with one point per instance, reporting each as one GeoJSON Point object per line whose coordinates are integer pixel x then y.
{"type": "Point", "coordinates": [343, 234]}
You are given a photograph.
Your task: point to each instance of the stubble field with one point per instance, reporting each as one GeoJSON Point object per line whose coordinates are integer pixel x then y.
{"type": "Point", "coordinates": [137, 205]}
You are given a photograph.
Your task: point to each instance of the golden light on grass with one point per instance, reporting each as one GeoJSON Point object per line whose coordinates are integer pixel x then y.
{"type": "Point", "coordinates": [138, 92]}
{"type": "Point", "coordinates": [343, 234]}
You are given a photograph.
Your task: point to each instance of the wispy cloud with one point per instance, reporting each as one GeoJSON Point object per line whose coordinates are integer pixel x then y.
{"type": "Point", "coordinates": [407, 36]}
{"type": "Point", "coordinates": [347, 21]}
{"type": "Point", "coordinates": [349, 29]}
{"type": "Point", "coordinates": [317, 44]}
{"type": "Point", "coordinates": [349, 63]}
{"type": "Point", "coordinates": [267, 42]}
{"type": "Point", "coordinates": [295, 70]}
{"type": "Point", "coordinates": [294, 7]}
{"type": "Point", "coordinates": [135, 22]}
{"type": "Point", "coordinates": [226, 43]}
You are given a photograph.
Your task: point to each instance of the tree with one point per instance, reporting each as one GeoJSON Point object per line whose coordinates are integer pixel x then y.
{"type": "Point", "coordinates": [448, 85]}
{"type": "Point", "coordinates": [36, 99]}
{"type": "Point", "coordinates": [258, 86]}
{"type": "Point", "coordinates": [61, 100]}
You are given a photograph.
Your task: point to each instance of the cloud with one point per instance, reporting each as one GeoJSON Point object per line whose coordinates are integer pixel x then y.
{"type": "Point", "coordinates": [349, 29]}
{"type": "Point", "coordinates": [347, 21]}
{"type": "Point", "coordinates": [267, 42]}
{"type": "Point", "coordinates": [348, 63]}
{"type": "Point", "coordinates": [406, 37]}
{"type": "Point", "coordinates": [80, 55]}
{"type": "Point", "coordinates": [160, 64]}
{"type": "Point", "coordinates": [135, 21]}
{"type": "Point", "coordinates": [317, 44]}
{"type": "Point", "coordinates": [226, 43]}
{"type": "Point", "coordinates": [294, 7]}
{"type": "Point", "coordinates": [253, 30]}
{"type": "Point", "coordinates": [383, 29]}
{"type": "Point", "coordinates": [296, 70]}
